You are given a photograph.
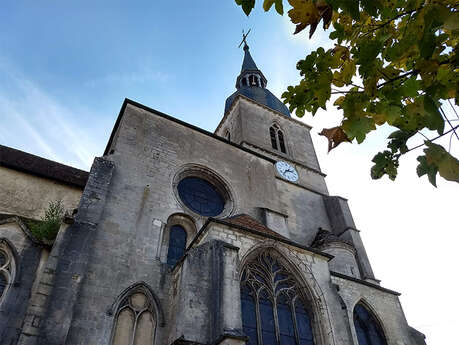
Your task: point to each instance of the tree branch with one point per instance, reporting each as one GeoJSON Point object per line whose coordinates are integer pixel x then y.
{"type": "Point", "coordinates": [415, 71]}
{"type": "Point", "coordinates": [379, 26]}
{"type": "Point", "coordinates": [449, 122]}
{"type": "Point", "coordinates": [437, 137]}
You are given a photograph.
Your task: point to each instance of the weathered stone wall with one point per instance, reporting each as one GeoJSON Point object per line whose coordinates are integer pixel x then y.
{"type": "Point", "coordinates": [28, 196]}
{"type": "Point", "coordinates": [256, 121]}
{"type": "Point", "coordinates": [384, 305]}
{"type": "Point", "coordinates": [27, 258]}
{"type": "Point", "coordinates": [118, 237]}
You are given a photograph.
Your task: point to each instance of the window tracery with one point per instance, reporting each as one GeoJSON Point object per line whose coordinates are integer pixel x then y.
{"type": "Point", "coordinates": [277, 138]}
{"type": "Point", "coordinates": [273, 311]}
{"type": "Point", "coordinates": [134, 321]}
{"type": "Point", "coordinates": [7, 269]}
{"type": "Point", "coordinates": [368, 329]}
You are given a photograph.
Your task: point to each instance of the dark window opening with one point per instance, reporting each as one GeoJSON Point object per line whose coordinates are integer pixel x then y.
{"type": "Point", "coordinates": [244, 82]}
{"type": "Point", "coordinates": [277, 138]}
{"type": "Point", "coordinates": [281, 141]}
{"type": "Point", "coordinates": [201, 196]}
{"type": "Point", "coordinates": [368, 330]}
{"type": "Point", "coordinates": [177, 244]}
{"type": "Point", "coordinates": [272, 133]}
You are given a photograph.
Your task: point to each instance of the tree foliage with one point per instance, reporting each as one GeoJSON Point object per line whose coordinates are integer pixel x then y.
{"type": "Point", "coordinates": [394, 62]}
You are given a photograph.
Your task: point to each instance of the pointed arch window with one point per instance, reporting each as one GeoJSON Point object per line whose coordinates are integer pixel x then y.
{"type": "Point", "coordinates": [273, 311]}
{"type": "Point", "coordinates": [277, 138]}
{"type": "Point", "coordinates": [368, 329]}
{"type": "Point", "coordinates": [177, 244]}
{"type": "Point", "coordinates": [135, 323]}
{"type": "Point", "coordinates": [7, 269]}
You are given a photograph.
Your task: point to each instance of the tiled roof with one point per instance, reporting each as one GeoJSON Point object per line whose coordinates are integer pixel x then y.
{"type": "Point", "coordinates": [246, 221]}
{"type": "Point", "coordinates": [28, 163]}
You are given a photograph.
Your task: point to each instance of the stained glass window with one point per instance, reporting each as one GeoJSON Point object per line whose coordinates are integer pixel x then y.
{"type": "Point", "coordinates": [201, 196]}
{"type": "Point", "coordinates": [273, 312]}
{"type": "Point", "coordinates": [177, 244]}
{"type": "Point", "coordinates": [368, 330]}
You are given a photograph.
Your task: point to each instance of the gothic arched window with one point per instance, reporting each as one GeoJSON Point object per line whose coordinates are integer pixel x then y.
{"type": "Point", "coordinates": [135, 323]}
{"type": "Point", "coordinates": [177, 244]}
{"type": "Point", "coordinates": [7, 269]}
{"type": "Point", "coordinates": [273, 311]}
{"type": "Point", "coordinates": [277, 138]}
{"type": "Point", "coordinates": [368, 330]}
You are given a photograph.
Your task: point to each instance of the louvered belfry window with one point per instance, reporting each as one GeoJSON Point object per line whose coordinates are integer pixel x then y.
{"type": "Point", "coordinates": [273, 311]}
{"type": "Point", "coordinates": [277, 138]}
{"type": "Point", "coordinates": [368, 330]}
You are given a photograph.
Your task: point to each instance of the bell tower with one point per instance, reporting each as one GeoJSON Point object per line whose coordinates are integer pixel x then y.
{"type": "Point", "coordinates": [256, 119]}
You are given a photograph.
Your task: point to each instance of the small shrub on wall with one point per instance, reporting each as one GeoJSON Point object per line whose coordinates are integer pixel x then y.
{"type": "Point", "coordinates": [48, 227]}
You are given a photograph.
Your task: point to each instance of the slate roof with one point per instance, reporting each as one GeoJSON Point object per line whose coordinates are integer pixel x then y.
{"type": "Point", "coordinates": [247, 221]}
{"type": "Point", "coordinates": [31, 164]}
{"type": "Point", "coordinates": [248, 64]}
{"type": "Point", "coordinates": [259, 95]}
{"type": "Point", "coordinates": [324, 237]}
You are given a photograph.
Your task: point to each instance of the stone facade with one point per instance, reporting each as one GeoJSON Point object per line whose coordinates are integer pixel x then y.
{"type": "Point", "coordinates": [107, 279]}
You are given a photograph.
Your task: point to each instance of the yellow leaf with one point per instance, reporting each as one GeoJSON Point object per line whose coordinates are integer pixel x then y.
{"type": "Point", "coordinates": [339, 100]}
{"type": "Point", "coordinates": [303, 13]}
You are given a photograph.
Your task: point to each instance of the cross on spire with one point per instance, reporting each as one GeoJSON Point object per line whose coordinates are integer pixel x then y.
{"type": "Point", "coordinates": [244, 37]}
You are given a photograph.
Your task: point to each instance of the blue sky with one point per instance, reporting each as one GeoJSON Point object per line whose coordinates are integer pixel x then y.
{"type": "Point", "coordinates": [84, 57]}
{"type": "Point", "coordinates": [66, 67]}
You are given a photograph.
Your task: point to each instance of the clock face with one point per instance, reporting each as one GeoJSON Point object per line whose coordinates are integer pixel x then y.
{"type": "Point", "coordinates": [287, 171]}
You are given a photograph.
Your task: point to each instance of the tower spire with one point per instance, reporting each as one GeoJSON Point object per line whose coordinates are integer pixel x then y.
{"type": "Point", "coordinates": [251, 83]}
{"type": "Point", "coordinates": [250, 75]}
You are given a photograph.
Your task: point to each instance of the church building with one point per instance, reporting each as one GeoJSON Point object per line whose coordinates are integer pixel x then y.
{"type": "Point", "coordinates": [181, 236]}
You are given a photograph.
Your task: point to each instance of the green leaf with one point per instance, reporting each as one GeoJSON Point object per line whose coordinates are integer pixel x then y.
{"type": "Point", "coordinates": [448, 166]}
{"type": "Point", "coordinates": [434, 120]}
{"type": "Point", "coordinates": [247, 5]}
{"type": "Point", "coordinates": [398, 141]}
{"type": "Point", "coordinates": [279, 5]}
{"type": "Point", "coordinates": [426, 168]}
{"type": "Point", "coordinates": [267, 4]}
{"type": "Point", "coordinates": [427, 45]}
{"type": "Point", "coordinates": [411, 87]}
{"type": "Point", "coordinates": [385, 164]}
{"type": "Point", "coordinates": [452, 21]}
{"type": "Point", "coordinates": [358, 127]}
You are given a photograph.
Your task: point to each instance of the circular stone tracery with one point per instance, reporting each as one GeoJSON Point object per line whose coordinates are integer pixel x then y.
{"type": "Point", "coordinates": [201, 196]}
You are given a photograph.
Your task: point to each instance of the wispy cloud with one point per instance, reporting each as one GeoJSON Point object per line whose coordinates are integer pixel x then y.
{"type": "Point", "coordinates": [140, 77]}
{"type": "Point", "coordinates": [33, 121]}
